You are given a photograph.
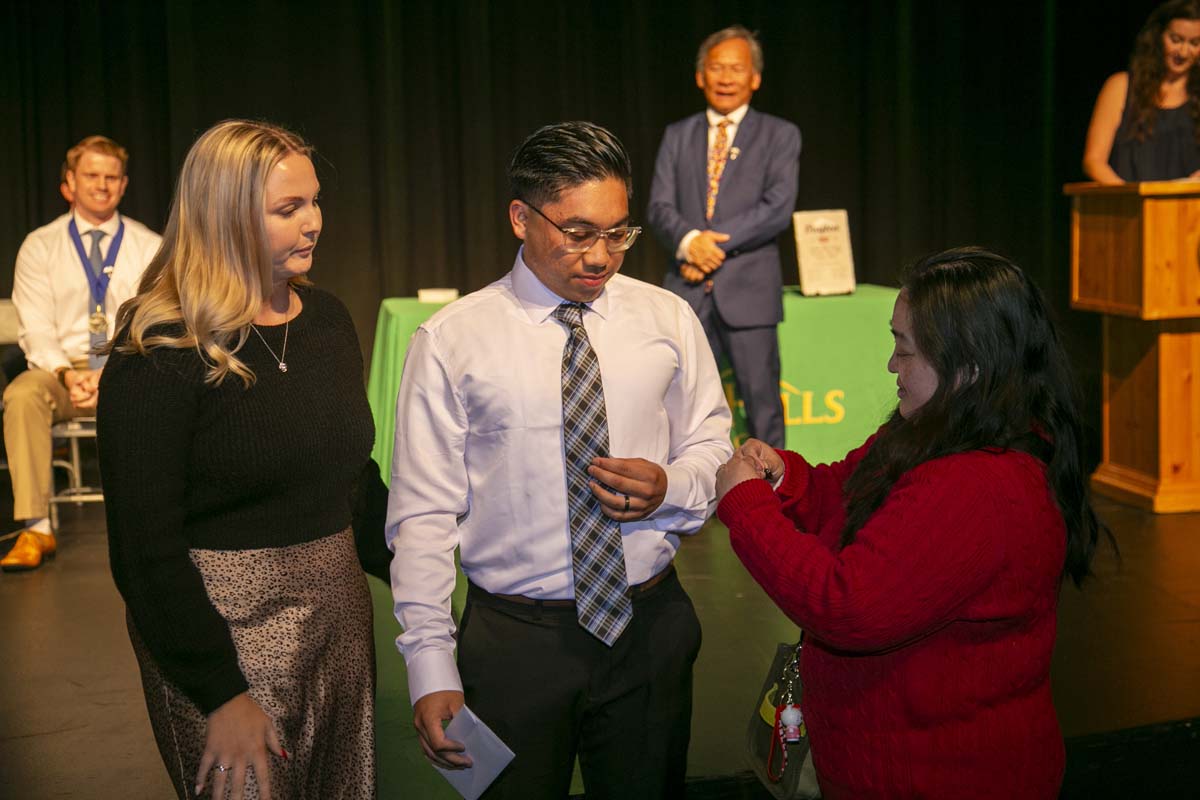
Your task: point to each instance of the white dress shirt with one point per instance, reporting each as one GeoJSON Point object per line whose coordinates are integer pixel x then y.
{"type": "Point", "coordinates": [735, 118]}
{"type": "Point", "coordinates": [478, 461]}
{"type": "Point", "coordinates": [53, 298]}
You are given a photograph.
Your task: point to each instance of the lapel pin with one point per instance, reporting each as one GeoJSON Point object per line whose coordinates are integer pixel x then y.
{"type": "Point", "coordinates": [734, 152]}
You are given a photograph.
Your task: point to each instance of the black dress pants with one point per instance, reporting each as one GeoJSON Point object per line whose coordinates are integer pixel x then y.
{"type": "Point", "coordinates": [552, 691]}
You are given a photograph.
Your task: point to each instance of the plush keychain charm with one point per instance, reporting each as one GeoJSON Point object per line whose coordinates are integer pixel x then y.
{"type": "Point", "coordinates": [791, 720]}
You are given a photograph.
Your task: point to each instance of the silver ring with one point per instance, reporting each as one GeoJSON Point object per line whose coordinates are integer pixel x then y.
{"type": "Point", "coordinates": [222, 768]}
{"type": "Point", "coordinates": [626, 502]}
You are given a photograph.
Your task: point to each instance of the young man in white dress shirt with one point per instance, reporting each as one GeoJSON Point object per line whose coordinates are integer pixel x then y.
{"type": "Point", "coordinates": [71, 277]}
{"type": "Point", "coordinates": [494, 456]}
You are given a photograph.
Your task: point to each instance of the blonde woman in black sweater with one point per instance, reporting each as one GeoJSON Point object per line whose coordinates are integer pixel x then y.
{"type": "Point", "coordinates": [233, 425]}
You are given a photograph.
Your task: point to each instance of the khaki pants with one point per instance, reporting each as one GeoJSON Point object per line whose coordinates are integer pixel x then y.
{"type": "Point", "coordinates": [33, 402]}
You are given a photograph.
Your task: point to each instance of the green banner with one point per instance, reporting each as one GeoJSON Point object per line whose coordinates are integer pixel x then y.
{"type": "Point", "coordinates": [834, 382]}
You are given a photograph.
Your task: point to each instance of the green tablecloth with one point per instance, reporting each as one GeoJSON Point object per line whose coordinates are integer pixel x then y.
{"type": "Point", "coordinates": [835, 384]}
{"type": "Point", "coordinates": [399, 318]}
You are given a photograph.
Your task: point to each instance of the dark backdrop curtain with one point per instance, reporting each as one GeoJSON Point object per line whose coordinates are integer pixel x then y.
{"type": "Point", "coordinates": [933, 123]}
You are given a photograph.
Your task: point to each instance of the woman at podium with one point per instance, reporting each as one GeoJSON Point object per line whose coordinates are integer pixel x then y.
{"type": "Point", "coordinates": [1146, 122]}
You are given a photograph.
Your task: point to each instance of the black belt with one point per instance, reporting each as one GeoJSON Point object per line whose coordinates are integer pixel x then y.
{"type": "Point", "coordinates": [633, 591]}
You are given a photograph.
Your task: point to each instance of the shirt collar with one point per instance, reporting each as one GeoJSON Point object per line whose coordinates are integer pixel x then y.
{"type": "Point", "coordinates": [736, 116]}
{"type": "Point", "coordinates": [538, 301]}
{"type": "Point", "coordinates": [109, 226]}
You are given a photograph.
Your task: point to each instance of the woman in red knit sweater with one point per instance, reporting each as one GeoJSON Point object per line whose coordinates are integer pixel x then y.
{"type": "Point", "coordinates": [925, 567]}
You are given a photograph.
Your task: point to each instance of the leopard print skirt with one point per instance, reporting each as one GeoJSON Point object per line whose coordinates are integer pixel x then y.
{"type": "Point", "coordinates": [300, 617]}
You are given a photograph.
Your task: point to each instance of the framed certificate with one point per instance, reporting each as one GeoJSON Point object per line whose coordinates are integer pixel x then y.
{"type": "Point", "coordinates": [823, 250]}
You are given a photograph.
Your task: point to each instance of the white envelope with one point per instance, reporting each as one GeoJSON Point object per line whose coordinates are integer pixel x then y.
{"type": "Point", "coordinates": [488, 754]}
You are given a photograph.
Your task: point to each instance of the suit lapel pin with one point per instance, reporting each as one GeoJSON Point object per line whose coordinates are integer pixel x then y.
{"type": "Point", "coordinates": [734, 152]}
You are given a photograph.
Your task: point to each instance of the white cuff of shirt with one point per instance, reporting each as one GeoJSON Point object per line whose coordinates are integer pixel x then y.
{"type": "Point", "coordinates": [681, 252]}
{"type": "Point", "coordinates": [677, 487]}
{"type": "Point", "coordinates": [432, 670]}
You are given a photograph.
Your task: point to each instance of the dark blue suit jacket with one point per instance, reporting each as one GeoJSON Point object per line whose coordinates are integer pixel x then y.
{"type": "Point", "coordinates": [754, 205]}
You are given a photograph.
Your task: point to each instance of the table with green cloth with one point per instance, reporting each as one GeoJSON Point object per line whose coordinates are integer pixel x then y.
{"type": "Point", "coordinates": [833, 350]}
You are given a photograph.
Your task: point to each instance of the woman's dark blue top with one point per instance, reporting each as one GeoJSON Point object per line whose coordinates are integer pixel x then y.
{"type": "Point", "coordinates": [1170, 152]}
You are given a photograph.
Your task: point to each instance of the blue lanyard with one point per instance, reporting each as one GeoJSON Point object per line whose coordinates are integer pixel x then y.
{"type": "Point", "coordinates": [97, 283]}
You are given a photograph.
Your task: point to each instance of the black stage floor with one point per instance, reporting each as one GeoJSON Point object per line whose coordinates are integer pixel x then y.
{"type": "Point", "coordinates": [1126, 672]}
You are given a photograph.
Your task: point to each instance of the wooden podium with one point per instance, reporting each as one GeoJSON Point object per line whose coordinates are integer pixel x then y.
{"type": "Point", "coordinates": [1135, 258]}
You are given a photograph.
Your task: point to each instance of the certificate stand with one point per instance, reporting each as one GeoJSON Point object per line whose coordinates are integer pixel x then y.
{"type": "Point", "coordinates": [1135, 258]}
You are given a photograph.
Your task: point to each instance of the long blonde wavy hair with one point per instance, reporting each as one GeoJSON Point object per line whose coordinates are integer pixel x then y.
{"type": "Point", "coordinates": [212, 272]}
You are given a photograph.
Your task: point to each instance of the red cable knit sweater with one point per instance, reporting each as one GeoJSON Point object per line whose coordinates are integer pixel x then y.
{"type": "Point", "coordinates": [926, 663]}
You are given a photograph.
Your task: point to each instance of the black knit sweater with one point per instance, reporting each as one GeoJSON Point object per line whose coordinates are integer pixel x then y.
{"type": "Point", "coordinates": [187, 465]}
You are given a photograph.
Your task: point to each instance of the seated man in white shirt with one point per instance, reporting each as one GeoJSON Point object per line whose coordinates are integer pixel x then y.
{"type": "Point", "coordinates": [560, 427]}
{"type": "Point", "coordinates": [70, 278]}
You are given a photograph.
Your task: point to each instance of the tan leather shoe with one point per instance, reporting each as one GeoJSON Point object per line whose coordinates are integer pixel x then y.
{"type": "Point", "coordinates": [29, 551]}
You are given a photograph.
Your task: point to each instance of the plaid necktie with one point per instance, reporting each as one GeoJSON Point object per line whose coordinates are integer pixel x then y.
{"type": "Point", "coordinates": [718, 154]}
{"type": "Point", "coordinates": [597, 558]}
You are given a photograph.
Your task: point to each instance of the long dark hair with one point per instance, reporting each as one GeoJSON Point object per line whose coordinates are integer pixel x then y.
{"type": "Point", "coordinates": [1148, 68]}
{"type": "Point", "coordinates": [1003, 381]}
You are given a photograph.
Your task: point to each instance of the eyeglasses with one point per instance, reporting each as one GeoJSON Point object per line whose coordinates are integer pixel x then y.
{"type": "Point", "coordinates": [580, 240]}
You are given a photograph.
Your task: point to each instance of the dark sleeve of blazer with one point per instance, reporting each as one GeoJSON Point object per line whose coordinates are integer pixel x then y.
{"type": "Point", "coordinates": [663, 212]}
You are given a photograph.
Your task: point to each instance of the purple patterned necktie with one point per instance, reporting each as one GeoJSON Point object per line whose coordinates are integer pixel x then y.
{"type": "Point", "coordinates": [597, 558]}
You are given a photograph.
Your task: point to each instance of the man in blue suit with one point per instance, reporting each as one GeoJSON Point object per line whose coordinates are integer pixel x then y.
{"type": "Point", "coordinates": [724, 188]}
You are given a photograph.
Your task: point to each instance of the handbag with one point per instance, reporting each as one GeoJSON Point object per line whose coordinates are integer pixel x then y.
{"type": "Point", "coordinates": [777, 738]}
